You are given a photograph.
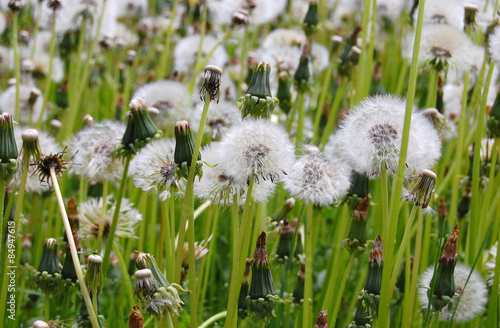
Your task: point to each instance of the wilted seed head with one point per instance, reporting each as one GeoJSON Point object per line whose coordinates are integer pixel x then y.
{"type": "Point", "coordinates": [31, 146]}
{"type": "Point", "coordinates": [440, 58]}
{"type": "Point", "coordinates": [145, 285]}
{"type": "Point", "coordinates": [443, 211]}
{"type": "Point", "coordinates": [451, 248]}
{"type": "Point", "coordinates": [135, 319]}
{"type": "Point", "coordinates": [470, 15]}
{"type": "Point", "coordinates": [51, 162]}
{"type": "Point", "coordinates": [54, 4]}
{"type": "Point", "coordinates": [211, 83]}
{"type": "Point", "coordinates": [422, 189]}
{"type": "Point", "coordinates": [147, 261]}
{"type": "Point", "coordinates": [94, 276]}
{"type": "Point", "coordinates": [15, 5]}
{"type": "Point", "coordinates": [322, 319]}
{"type": "Point", "coordinates": [240, 17]}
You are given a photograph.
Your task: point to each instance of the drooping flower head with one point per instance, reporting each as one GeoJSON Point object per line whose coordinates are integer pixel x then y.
{"type": "Point", "coordinates": [153, 168]}
{"type": "Point", "coordinates": [93, 148]}
{"type": "Point", "coordinates": [369, 138]}
{"type": "Point", "coordinates": [257, 148]}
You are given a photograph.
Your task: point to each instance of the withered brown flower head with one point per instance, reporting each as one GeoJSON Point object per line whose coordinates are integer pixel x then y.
{"type": "Point", "coordinates": [442, 211]}
{"type": "Point", "coordinates": [52, 161]}
{"type": "Point", "coordinates": [377, 252]}
{"type": "Point", "coordinates": [260, 253]}
{"type": "Point", "coordinates": [72, 212]}
{"type": "Point", "coordinates": [286, 229]}
{"type": "Point", "coordinates": [451, 248]}
{"type": "Point", "coordinates": [322, 320]}
{"type": "Point", "coordinates": [361, 210]}
{"type": "Point", "coordinates": [246, 273]}
{"type": "Point", "coordinates": [136, 320]}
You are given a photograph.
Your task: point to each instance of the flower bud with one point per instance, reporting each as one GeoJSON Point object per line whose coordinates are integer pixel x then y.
{"type": "Point", "coordinates": [242, 298]}
{"type": "Point", "coordinates": [147, 261]}
{"type": "Point", "coordinates": [298, 291]}
{"type": "Point", "coordinates": [311, 19]}
{"type": "Point", "coordinates": [184, 149]}
{"type": "Point", "coordinates": [8, 147]}
{"type": "Point", "coordinates": [283, 211]}
{"type": "Point", "coordinates": [302, 74]}
{"type": "Point", "coordinates": [258, 101]}
{"type": "Point", "coordinates": [284, 94]}
{"type": "Point", "coordinates": [49, 261]}
{"type": "Point", "coordinates": [470, 15]}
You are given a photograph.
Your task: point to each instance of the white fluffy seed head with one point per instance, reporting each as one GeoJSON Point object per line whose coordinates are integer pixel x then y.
{"type": "Point", "coordinates": [153, 168]}
{"type": "Point", "coordinates": [317, 180]}
{"type": "Point", "coordinates": [370, 137]}
{"type": "Point", "coordinates": [473, 298]}
{"type": "Point", "coordinates": [92, 147]}
{"type": "Point", "coordinates": [494, 42]}
{"type": "Point", "coordinates": [257, 148]}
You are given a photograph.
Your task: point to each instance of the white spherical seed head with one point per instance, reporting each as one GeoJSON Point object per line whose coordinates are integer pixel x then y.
{"type": "Point", "coordinates": [370, 137]}
{"type": "Point", "coordinates": [494, 42]}
{"type": "Point", "coordinates": [30, 135]}
{"type": "Point", "coordinates": [473, 298]}
{"type": "Point", "coordinates": [153, 168]}
{"type": "Point", "coordinates": [257, 148]}
{"type": "Point", "coordinates": [40, 324]}
{"type": "Point", "coordinates": [92, 147]}
{"type": "Point", "coordinates": [317, 180]}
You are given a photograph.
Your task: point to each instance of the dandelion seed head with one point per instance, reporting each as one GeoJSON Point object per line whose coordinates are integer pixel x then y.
{"type": "Point", "coordinates": [473, 298]}
{"type": "Point", "coordinates": [93, 148]}
{"type": "Point", "coordinates": [370, 136]}
{"type": "Point", "coordinates": [153, 168]}
{"type": "Point", "coordinates": [30, 102]}
{"type": "Point", "coordinates": [220, 118]}
{"type": "Point", "coordinates": [494, 43]}
{"type": "Point", "coordinates": [186, 53]}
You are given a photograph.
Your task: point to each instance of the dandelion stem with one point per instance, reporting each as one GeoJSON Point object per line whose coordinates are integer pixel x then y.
{"type": "Point", "coordinates": [213, 319]}
{"type": "Point", "coordinates": [386, 294]}
{"type": "Point", "coordinates": [17, 64]}
{"type": "Point", "coordinates": [3, 295]}
{"type": "Point", "coordinates": [48, 78]}
{"type": "Point", "coordinates": [241, 253]}
{"type": "Point", "coordinates": [308, 297]}
{"type": "Point", "coordinates": [343, 284]}
{"type": "Point", "coordinates": [299, 137]}
{"type": "Point", "coordinates": [321, 100]}
{"type": "Point", "coordinates": [124, 270]}
{"type": "Point", "coordinates": [46, 307]}
{"type": "Point", "coordinates": [475, 197]}
{"type": "Point", "coordinates": [103, 214]}
{"type": "Point", "coordinates": [72, 247]}
{"type": "Point", "coordinates": [116, 214]}
{"type": "Point", "coordinates": [332, 115]}
{"type": "Point", "coordinates": [163, 62]}
{"type": "Point", "coordinates": [243, 59]}
{"type": "Point", "coordinates": [492, 319]}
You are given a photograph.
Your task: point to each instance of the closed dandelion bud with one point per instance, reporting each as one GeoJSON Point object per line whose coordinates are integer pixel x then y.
{"type": "Point", "coordinates": [358, 191]}
{"type": "Point", "coordinates": [68, 270]}
{"type": "Point", "coordinates": [351, 60]}
{"type": "Point", "coordinates": [302, 74]}
{"type": "Point", "coordinates": [298, 291]}
{"type": "Point", "coordinates": [284, 94]}
{"type": "Point", "coordinates": [322, 320]}
{"type": "Point", "coordinates": [464, 203]}
{"type": "Point", "coordinates": [261, 296]}
{"type": "Point", "coordinates": [311, 19]}
{"type": "Point", "coordinates": [374, 278]}
{"type": "Point", "coordinates": [421, 189]}
{"type": "Point", "coordinates": [258, 101]}
{"type": "Point", "coordinates": [145, 285]}
{"type": "Point", "coordinates": [54, 4]}
{"type": "Point", "coordinates": [140, 129]}
{"type": "Point", "coordinates": [242, 298]}
{"type": "Point", "coordinates": [299, 248]}
{"type": "Point", "coordinates": [93, 276]}
{"type": "Point", "coordinates": [357, 236]}
{"type": "Point", "coordinates": [362, 316]}
{"type": "Point", "coordinates": [135, 319]}
{"type": "Point", "coordinates": [283, 211]}
{"type": "Point", "coordinates": [8, 148]}
{"type": "Point", "coordinates": [470, 15]}
{"type": "Point", "coordinates": [49, 261]}
{"type": "Point", "coordinates": [285, 240]}
{"type": "Point", "coordinates": [211, 83]}
{"type": "Point", "coordinates": [83, 319]}
{"type": "Point", "coordinates": [443, 278]}
{"type": "Point", "coordinates": [184, 148]}
{"type": "Point", "coordinates": [26, 249]}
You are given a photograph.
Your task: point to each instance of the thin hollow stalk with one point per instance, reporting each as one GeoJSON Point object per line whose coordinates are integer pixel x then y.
{"type": "Point", "coordinates": [72, 247]}
{"type": "Point", "coordinates": [385, 294]}
{"type": "Point", "coordinates": [114, 222]}
{"type": "Point", "coordinates": [243, 59]}
{"type": "Point", "coordinates": [299, 137]}
{"type": "Point", "coordinates": [308, 296]}
{"type": "Point", "coordinates": [385, 202]}
{"type": "Point", "coordinates": [17, 64]}
{"type": "Point", "coordinates": [213, 319]}
{"type": "Point", "coordinates": [340, 292]}
{"type": "Point", "coordinates": [103, 213]}
{"type": "Point", "coordinates": [163, 62]}
{"type": "Point", "coordinates": [125, 275]}
{"type": "Point", "coordinates": [321, 100]}
{"type": "Point", "coordinates": [241, 253]}
{"type": "Point", "coordinates": [476, 195]}
{"type": "Point", "coordinates": [492, 317]}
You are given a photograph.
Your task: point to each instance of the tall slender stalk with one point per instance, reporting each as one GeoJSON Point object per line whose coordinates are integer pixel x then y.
{"type": "Point", "coordinates": [72, 247]}
{"type": "Point", "coordinates": [48, 78]}
{"type": "Point", "coordinates": [386, 294]}
{"type": "Point", "coordinates": [17, 64]}
{"type": "Point", "coordinates": [308, 296]}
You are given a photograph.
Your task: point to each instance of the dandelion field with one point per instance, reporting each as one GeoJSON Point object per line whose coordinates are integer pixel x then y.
{"type": "Point", "coordinates": [249, 163]}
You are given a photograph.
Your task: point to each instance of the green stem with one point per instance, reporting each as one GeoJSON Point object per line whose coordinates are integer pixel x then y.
{"type": "Point", "coordinates": [46, 307]}
{"type": "Point", "coordinates": [243, 60]}
{"type": "Point", "coordinates": [116, 214]}
{"type": "Point", "coordinates": [332, 115]}
{"type": "Point", "coordinates": [492, 316]}
{"type": "Point", "coordinates": [98, 245]}
{"type": "Point", "coordinates": [308, 292]}
{"type": "Point", "coordinates": [72, 247]}
{"type": "Point", "coordinates": [459, 154]}
{"type": "Point", "coordinates": [163, 62]}
{"type": "Point", "coordinates": [476, 195]}
{"type": "Point", "coordinates": [340, 292]}
{"type": "Point", "coordinates": [125, 275]}
{"type": "Point", "coordinates": [3, 296]}
{"type": "Point", "coordinates": [241, 253]}
{"type": "Point", "coordinates": [48, 78]}
{"type": "Point", "coordinates": [386, 294]}
{"type": "Point", "coordinates": [322, 98]}
{"type": "Point", "coordinates": [213, 319]}
{"type": "Point", "coordinates": [17, 65]}
{"type": "Point", "coordinates": [299, 137]}
{"type": "Point", "coordinates": [35, 31]}
{"type": "Point", "coordinates": [385, 202]}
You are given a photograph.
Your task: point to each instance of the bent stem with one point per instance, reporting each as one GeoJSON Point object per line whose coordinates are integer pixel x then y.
{"type": "Point", "coordinates": [72, 247]}
{"type": "Point", "coordinates": [308, 303]}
